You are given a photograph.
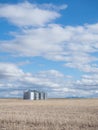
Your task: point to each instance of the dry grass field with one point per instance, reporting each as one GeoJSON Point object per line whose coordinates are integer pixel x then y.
{"type": "Point", "coordinates": [52, 114]}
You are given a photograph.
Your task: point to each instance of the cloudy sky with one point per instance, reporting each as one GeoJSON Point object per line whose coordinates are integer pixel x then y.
{"type": "Point", "coordinates": [49, 45]}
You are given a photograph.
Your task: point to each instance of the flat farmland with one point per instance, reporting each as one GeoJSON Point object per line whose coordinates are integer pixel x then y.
{"type": "Point", "coordinates": [51, 114]}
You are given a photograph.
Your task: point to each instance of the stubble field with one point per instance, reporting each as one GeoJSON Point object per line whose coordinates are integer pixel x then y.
{"type": "Point", "coordinates": [52, 114]}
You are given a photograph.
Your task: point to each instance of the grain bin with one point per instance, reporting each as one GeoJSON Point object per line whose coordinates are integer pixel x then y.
{"type": "Point", "coordinates": [34, 95]}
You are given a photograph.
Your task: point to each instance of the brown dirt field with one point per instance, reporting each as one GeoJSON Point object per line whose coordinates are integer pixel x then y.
{"type": "Point", "coordinates": [51, 114]}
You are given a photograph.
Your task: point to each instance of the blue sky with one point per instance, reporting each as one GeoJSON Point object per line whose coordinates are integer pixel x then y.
{"type": "Point", "coordinates": [49, 45]}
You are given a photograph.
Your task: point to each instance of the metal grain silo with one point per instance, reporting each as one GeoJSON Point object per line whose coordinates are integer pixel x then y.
{"type": "Point", "coordinates": [34, 95]}
{"type": "Point", "coordinates": [25, 96]}
{"type": "Point", "coordinates": [44, 96]}
{"type": "Point", "coordinates": [41, 95]}
{"type": "Point", "coordinates": [31, 95]}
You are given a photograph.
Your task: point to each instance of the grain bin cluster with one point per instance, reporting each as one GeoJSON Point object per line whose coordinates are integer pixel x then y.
{"type": "Point", "coordinates": [34, 95]}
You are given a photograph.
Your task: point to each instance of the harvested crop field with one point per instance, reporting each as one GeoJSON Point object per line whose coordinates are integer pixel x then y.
{"type": "Point", "coordinates": [51, 114]}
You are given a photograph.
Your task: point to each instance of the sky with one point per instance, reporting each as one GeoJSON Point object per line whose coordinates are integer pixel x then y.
{"type": "Point", "coordinates": [49, 45]}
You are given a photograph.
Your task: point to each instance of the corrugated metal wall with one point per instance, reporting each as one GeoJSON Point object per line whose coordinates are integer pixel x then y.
{"type": "Point", "coordinates": [34, 95]}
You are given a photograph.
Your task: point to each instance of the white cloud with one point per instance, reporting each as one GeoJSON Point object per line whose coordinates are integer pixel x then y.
{"type": "Point", "coordinates": [36, 42]}
{"type": "Point", "coordinates": [14, 80]}
{"type": "Point", "coordinates": [73, 45]}
{"type": "Point", "coordinates": [11, 74]}
{"type": "Point", "coordinates": [85, 67]}
{"type": "Point", "coordinates": [27, 14]}
{"type": "Point", "coordinates": [53, 7]}
{"type": "Point", "coordinates": [9, 70]}
{"type": "Point", "coordinates": [51, 74]}
{"type": "Point", "coordinates": [76, 46]}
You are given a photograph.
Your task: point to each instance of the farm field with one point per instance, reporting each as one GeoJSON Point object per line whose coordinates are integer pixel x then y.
{"type": "Point", "coordinates": [51, 114]}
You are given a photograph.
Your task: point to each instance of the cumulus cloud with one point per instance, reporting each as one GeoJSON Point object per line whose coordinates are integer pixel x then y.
{"type": "Point", "coordinates": [13, 81]}
{"type": "Point", "coordinates": [76, 46]}
{"type": "Point", "coordinates": [27, 14]}
{"type": "Point", "coordinates": [9, 71]}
